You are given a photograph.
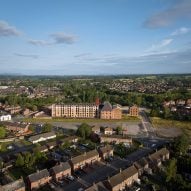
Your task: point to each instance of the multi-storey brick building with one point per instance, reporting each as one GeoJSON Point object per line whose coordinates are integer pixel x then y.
{"type": "Point", "coordinates": [103, 111]}
{"type": "Point", "coordinates": [75, 110]}
{"type": "Point", "coordinates": [134, 111]}
{"type": "Point", "coordinates": [107, 111]}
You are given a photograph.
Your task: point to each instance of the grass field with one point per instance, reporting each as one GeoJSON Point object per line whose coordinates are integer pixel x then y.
{"type": "Point", "coordinates": [124, 119]}
{"type": "Point", "coordinates": [174, 125]}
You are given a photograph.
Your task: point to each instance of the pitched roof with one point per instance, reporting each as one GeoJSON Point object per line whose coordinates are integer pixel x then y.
{"type": "Point", "coordinates": [141, 163]}
{"type": "Point", "coordinates": [106, 149]}
{"type": "Point", "coordinates": [38, 175]}
{"type": "Point", "coordinates": [106, 107]}
{"type": "Point", "coordinates": [13, 185]}
{"type": "Point", "coordinates": [84, 156]}
{"type": "Point", "coordinates": [44, 135]}
{"type": "Point", "coordinates": [159, 154]}
{"type": "Point", "coordinates": [61, 167]}
{"type": "Point", "coordinates": [122, 176]}
{"type": "Point", "coordinates": [97, 187]}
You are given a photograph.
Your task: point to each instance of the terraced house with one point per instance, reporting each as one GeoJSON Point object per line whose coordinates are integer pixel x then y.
{"type": "Point", "coordinates": [60, 171]}
{"type": "Point", "coordinates": [38, 179]}
{"type": "Point", "coordinates": [82, 160]}
{"type": "Point", "coordinates": [122, 180]}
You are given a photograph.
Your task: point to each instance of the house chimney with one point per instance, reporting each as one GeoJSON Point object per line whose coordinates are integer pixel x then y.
{"type": "Point", "coordinates": [97, 101]}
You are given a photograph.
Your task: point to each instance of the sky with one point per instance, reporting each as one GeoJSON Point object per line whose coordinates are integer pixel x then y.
{"type": "Point", "coordinates": [95, 37]}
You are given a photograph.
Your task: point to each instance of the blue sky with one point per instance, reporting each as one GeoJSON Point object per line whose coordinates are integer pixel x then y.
{"type": "Point", "coordinates": [71, 37]}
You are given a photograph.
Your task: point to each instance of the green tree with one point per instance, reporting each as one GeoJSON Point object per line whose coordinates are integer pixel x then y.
{"type": "Point", "coordinates": [171, 170]}
{"type": "Point", "coordinates": [47, 127]}
{"type": "Point", "coordinates": [181, 144]}
{"type": "Point", "coordinates": [119, 130]}
{"type": "Point", "coordinates": [20, 161]}
{"type": "Point", "coordinates": [84, 131]}
{"type": "Point", "coordinates": [2, 132]}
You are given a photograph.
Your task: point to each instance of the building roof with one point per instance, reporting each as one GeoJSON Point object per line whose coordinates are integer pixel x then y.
{"type": "Point", "coordinates": [108, 129]}
{"type": "Point", "coordinates": [158, 154]}
{"type": "Point", "coordinates": [122, 176]}
{"type": "Point", "coordinates": [52, 144]}
{"type": "Point", "coordinates": [84, 156]}
{"type": "Point", "coordinates": [61, 167]}
{"type": "Point", "coordinates": [38, 175]}
{"type": "Point", "coordinates": [106, 106]}
{"type": "Point", "coordinates": [106, 149]}
{"type": "Point", "coordinates": [13, 185]}
{"type": "Point", "coordinates": [44, 135]}
{"type": "Point", "coordinates": [97, 187]}
{"type": "Point", "coordinates": [17, 125]}
{"type": "Point", "coordinates": [141, 163]}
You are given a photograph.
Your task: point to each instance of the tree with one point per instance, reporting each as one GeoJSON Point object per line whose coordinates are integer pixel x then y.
{"type": "Point", "coordinates": [181, 144]}
{"type": "Point", "coordinates": [47, 127]}
{"type": "Point", "coordinates": [20, 161]}
{"type": "Point", "coordinates": [171, 170]}
{"type": "Point", "coordinates": [2, 132]}
{"type": "Point", "coordinates": [84, 131]}
{"type": "Point", "coordinates": [119, 130]}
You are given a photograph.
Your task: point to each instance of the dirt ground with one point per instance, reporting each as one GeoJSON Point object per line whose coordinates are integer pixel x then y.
{"type": "Point", "coordinates": [168, 132]}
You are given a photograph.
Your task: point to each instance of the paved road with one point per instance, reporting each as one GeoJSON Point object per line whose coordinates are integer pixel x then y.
{"type": "Point", "coordinates": [147, 125]}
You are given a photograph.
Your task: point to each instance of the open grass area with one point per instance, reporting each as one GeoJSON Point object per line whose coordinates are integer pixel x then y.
{"type": "Point", "coordinates": [74, 120]}
{"type": "Point", "coordinates": [184, 126]}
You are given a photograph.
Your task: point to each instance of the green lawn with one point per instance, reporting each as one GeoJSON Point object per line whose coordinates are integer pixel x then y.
{"type": "Point", "coordinates": [184, 125]}
{"type": "Point", "coordinates": [124, 119]}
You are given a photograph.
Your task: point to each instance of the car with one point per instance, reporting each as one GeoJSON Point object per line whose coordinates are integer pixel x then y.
{"type": "Point", "coordinates": [80, 189]}
{"type": "Point", "coordinates": [70, 177]}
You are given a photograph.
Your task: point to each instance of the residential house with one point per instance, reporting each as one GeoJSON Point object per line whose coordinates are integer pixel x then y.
{"type": "Point", "coordinates": [109, 112]}
{"type": "Point", "coordinates": [99, 186]}
{"type": "Point", "coordinates": [84, 159]}
{"type": "Point", "coordinates": [43, 149]}
{"type": "Point", "coordinates": [17, 185]}
{"type": "Point", "coordinates": [17, 128]}
{"type": "Point", "coordinates": [38, 179]}
{"type": "Point", "coordinates": [96, 130]}
{"type": "Point", "coordinates": [70, 139]}
{"type": "Point", "coordinates": [116, 139]}
{"type": "Point", "coordinates": [158, 157]}
{"type": "Point", "coordinates": [141, 165]}
{"type": "Point", "coordinates": [122, 180]}
{"type": "Point", "coordinates": [134, 111]}
{"type": "Point", "coordinates": [61, 170]}
{"type": "Point", "coordinates": [5, 117]}
{"type": "Point", "coordinates": [108, 131]}
{"type": "Point", "coordinates": [51, 145]}
{"type": "Point", "coordinates": [42, 137]}
{"type": "Point", "coordinates": [106, 152]}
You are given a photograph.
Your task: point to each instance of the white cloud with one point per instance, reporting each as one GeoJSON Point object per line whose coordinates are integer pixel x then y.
{"type": "Point", "coordinates": [56, 38]}
{"type": "Point", "coordinates": [8, 30]}
{"type": "Point", "coordinates": [38, 42]}
{"type": "Point", "coordinates": [160, 45]}
{"type": "Point", "coordinates": [180, 31]}
{"type": "Point", "coordinates": [180, 9]}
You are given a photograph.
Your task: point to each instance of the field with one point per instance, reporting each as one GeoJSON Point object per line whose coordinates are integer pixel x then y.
{"type": "Point", "coordinates": [75, 120]}
{"type": "Point", "coordinates": [171, 128]}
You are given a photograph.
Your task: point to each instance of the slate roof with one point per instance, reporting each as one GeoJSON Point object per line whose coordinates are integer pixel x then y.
{"type": "Point", "coordinates": [158, 154]}
{"type": "Point", "coordinates": [38, 175]}
{"type": "Point", "coordinates": [97, 187]}
{"type": "Point", "coordinates": [13, 185]}
{"type": "Point", "coordinates": [122, 176]}
{"type": "Point", "coordinates": [141, 163]}
{"type": "Point", "coordinates": [45, 135]}
{"type": "Point", "coordinates": [61, 167]}
{"type": "Point", "coordinates": [106, 107]}
{"type": "Point", "coordinates": [106, 149]}
{"type": "Point", "coordinates": [84, 156]}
